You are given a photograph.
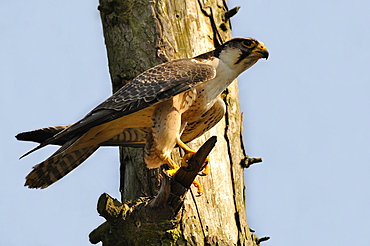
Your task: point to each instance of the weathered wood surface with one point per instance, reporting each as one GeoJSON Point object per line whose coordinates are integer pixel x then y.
{"type": "Point", "coordinates": [140, 34]}
{"type": "Point", "coordinates": [150, 221]}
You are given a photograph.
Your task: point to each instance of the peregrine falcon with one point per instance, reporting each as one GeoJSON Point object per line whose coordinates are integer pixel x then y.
{"type": "Point", "coordinates": [165, 106]}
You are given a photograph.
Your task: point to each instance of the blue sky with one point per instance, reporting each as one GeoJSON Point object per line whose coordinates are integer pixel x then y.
{"type": "Point", "coordinates": [306, 113]}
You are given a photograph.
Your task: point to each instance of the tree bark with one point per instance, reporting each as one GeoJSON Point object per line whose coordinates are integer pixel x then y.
{"type": "Point", "coordinates": [140, 34]}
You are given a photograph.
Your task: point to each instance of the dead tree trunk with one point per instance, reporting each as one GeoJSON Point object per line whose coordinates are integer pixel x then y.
{"type": "Point", "coordinates": [140, 34]}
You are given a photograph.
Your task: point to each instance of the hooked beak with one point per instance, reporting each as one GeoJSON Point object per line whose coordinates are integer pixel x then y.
{"type": "Point", "coordinates": [261, 51]}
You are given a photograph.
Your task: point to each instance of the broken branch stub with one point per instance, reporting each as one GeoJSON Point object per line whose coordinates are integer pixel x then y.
{"type": "Point", "coordinates": [186, 176]}
{"type": "Point", "coordinates": [173, 189]}
{"type": "Point", "coordinates": [149, 218]}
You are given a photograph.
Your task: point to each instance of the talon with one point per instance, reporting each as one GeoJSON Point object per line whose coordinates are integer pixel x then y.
{"type": "Point", "coordinates": [173, 167]}
{"type": "Point", "coordinates": [189, 154]}
{"type": "Point", "coordinates": [199, 188]}
{"type": "Point", "coordinates": [184, 163]}
{"type": "Point", "coordinates": [205, 167]}
{"type": "Point", "coordinates": [205, 170]}
{"type": "Point", "coordinates": [171, 172]}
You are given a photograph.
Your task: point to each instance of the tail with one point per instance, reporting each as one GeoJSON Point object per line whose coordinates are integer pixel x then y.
{"type": "Point", "coordinates": [57, 166]}
{"type": "Point", "coordinates": [42, 134]}
{"type": "Point", "coordinates": [131, 137]}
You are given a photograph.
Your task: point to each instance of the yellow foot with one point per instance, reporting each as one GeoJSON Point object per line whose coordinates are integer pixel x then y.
{"type": "Point", "coordinates": [197, 185]}
{"type": "Point", "coordinates": [205, 167]}
{"type": "Point", "coordinates": [172, 172]}
{"type": "Point", "coordinates": [172, 165]}
{"type": "Point", "coordinates": [189, 153]}
{"type": "Point", "coordinates": [199, 188]}
{"type": "Point", "coordinates": [205, 170]}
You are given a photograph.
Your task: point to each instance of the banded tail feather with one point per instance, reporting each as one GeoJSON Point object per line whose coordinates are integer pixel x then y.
{"type": "Point", "coordinates": [132, 137]}
{"type": "Point", "coordinates": [56, 167]}
{"type": "Point", "coordinates": [42, 134]}
{"type": "Point", "coordinates": [70, 154]}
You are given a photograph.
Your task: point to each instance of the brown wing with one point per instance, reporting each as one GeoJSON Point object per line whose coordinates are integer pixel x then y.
{"type": "Point", "coordinates": [152, 86]}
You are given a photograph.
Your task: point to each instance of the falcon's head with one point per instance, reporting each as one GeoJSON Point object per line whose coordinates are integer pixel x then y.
{"type": "Point", "coordinates": [241, 53]}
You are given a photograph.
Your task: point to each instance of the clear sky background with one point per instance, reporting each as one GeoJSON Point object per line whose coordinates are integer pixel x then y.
{"type": "Point", "coordinates": [306, 113]}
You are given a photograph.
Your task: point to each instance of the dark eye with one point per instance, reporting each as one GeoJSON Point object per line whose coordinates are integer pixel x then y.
{"type": "Point", "coordinates": [247, 43]}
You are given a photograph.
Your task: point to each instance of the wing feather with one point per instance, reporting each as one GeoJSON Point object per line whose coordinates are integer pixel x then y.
{"type": "Point", "coordinates": [152, 86]}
